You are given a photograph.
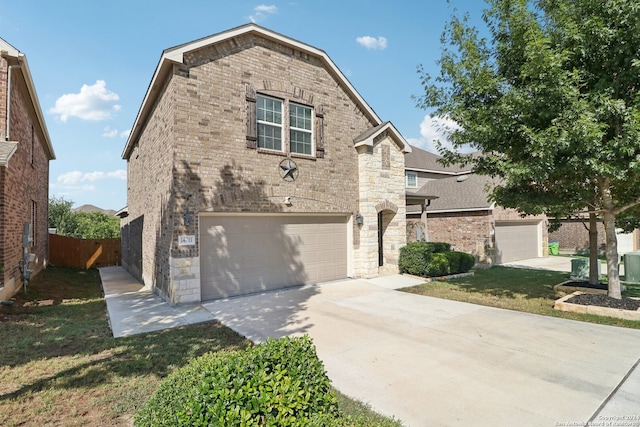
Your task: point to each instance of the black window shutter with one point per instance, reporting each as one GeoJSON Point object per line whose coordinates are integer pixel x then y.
{"type": "Point", "coordinates": [319, 131]}
{"type": "Point", "coordinates": [250, 96]}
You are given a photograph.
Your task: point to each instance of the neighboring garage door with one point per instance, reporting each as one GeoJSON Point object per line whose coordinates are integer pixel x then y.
{"type": "Point", "coordinates": [516, 241]}
{"type": "Point", "coordinates": [242, 254]}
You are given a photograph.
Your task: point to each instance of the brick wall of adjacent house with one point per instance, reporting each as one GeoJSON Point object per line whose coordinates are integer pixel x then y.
{"type": "Point", "coordinates": [470, 232]}
{"type": "Point", "coordinates": [24, 184]}
{"type": "Point", "coordinates": [573, 236]}
{"type": "Point", "coordinates": [203, 115]}
{"type": "Point", "coordinates": [466, 231]}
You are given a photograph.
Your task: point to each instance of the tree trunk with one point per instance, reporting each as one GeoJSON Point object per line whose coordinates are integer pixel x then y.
{"type": "Point", "coordinates": [611, 240]}
{"type": "Point", "coordinates": [594, 276]}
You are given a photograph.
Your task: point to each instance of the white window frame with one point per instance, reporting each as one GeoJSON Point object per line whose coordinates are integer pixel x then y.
{"type": "Point", "coordinates": [415, 177]}
{"type": "Point", "coordinates": [308, 131]}
{"type": "Point", "coordinates": [271, 124]}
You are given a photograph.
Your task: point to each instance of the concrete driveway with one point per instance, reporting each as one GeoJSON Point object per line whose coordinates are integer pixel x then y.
{"type": "Point", "coordinates": [433, 362]}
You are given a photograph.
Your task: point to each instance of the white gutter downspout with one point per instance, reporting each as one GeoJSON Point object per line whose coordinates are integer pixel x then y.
{"type": "Point", "coordinates": [8, 129]}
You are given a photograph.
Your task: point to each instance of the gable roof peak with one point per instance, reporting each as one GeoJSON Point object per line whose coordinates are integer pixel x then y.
{"type": "Point", "coordinates": [176, 55]}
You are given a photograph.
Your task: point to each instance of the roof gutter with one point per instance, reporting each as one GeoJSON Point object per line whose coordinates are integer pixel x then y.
{"type": "Point", "coordinates": [478, 209]}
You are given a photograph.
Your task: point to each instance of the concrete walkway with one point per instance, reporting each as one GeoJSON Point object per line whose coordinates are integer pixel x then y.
{"type": "Point", "coordinates": [134, 309]}
{"type": "Point", "coordinates": [427, 361]}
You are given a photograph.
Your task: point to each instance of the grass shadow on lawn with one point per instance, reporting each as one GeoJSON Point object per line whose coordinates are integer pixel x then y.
{"type": "Point", "coordinates": [60, 364]}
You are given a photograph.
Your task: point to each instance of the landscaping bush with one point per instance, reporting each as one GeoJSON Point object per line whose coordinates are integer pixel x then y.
{"type": "Point", "coordinates": [467, 261]}
{"type": "Point", "coordinates": [414, 258]}
{"type": "Point", "coordinates": [432, 259]}
{"type": "Point", "coordinates": [438, 246]}
{"type": "Point", "coordinates": [279, 383]}
{"type": "Point", "coordinates": [438, 265]}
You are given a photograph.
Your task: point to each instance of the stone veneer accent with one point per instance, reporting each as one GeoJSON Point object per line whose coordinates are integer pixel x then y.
{"type": "Point", "coordinates": [193, 157]}
{"type": "Point", "coordinates": [381, 190]}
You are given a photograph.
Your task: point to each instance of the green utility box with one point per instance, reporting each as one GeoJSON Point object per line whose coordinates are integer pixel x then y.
{"type": "Point", "coordinates": [632, 267]}
{"type": "Point", "coordinates": [554, 248]}
{"type": "Point", "coordinates": [580, 268]}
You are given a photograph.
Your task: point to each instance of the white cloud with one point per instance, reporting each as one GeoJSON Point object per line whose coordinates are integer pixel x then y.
{"type": "Point", "coordinates": [433, 129]}
{"type": "Point", "coordinates": [372, 42]}
{"type": "Point", "coordinates": [76, 177]}
{"type": "Point", "coordinates": [261, 12]}
{"type": "Point", "coordinates": [118, 174]}
{"type": "Point", "coordinates": [109, 133]}
{"type": "Point", "coordinates": [93, 102]}
{"type": "Point", "coordinates": [70, 178]}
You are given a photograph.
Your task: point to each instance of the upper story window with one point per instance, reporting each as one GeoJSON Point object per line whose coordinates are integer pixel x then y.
{"type": "Point", "coordinates": [300, 129]}
{"type": "Point", "coordinates": [272, 126]}
{"type": "Point", "coordinates": [269, 117]}
{"type": "Point", "coordinates": [412, 180]}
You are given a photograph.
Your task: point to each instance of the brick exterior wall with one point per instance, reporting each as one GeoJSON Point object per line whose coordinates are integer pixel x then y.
{"type": "Point", "coordinates": [147, 231]}
{"type": "Point", "coordinates": [470, 232]}
{"type": "Point", "coordinates": [193, 156]}
{"type": "Point", "coordinates": [466, 231]}
{"type": "Point", "coordinates": [573, 237]}
{"type": "Point", "coordinates": [23, 183]}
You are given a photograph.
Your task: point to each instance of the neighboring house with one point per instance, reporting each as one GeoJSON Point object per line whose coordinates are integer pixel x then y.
{"type": "Point", "coordinates": [573, 237]}
{"type": "Point", "coordinates": [461, 214]}
{"type": "Point", "coordinates": [25, 152]}
{"type": "Point", "coordinates": [254, 164]}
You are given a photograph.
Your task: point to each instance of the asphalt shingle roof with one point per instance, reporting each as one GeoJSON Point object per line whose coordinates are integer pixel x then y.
{"type": "Point", "coordinates": [462, 192]}
{"type": "Point", "coordinates": [6, 151]}
{"type": "Point", "coordinates": [420, 159]}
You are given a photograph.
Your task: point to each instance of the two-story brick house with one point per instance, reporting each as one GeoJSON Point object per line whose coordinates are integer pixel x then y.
{"type": "Point", "coordinates": [254, 164]}
{"type": "Point", "coordinates": [25, 152]}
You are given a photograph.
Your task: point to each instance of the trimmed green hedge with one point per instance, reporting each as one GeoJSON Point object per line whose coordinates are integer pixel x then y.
{"type": "Point", "coordinates": [433, 259]}
{"type": "Point", "coordinates": [279, 383]}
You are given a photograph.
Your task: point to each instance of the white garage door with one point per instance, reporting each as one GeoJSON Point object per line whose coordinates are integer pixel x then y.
{"type": "Point", "coordinates": [242, 254]}
{"type": "Point", "coordinates": [516, 241]}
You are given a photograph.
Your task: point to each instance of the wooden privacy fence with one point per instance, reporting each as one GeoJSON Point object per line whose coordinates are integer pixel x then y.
{"type": "Point", "coordinates": [83, 253]}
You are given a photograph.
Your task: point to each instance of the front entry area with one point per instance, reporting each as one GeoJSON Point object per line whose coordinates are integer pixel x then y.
{"type": "Point", "coordinates": [247, 253]}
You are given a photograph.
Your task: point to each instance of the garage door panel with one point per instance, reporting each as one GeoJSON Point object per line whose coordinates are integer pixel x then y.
{"type": "Point", "coordinates": [516, 242]}
{"type": "Point", "coordinates": [244, 254]}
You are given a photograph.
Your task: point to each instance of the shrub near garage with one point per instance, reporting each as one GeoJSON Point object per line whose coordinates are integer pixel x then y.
{"type": "Point", "coordinates": [279, 383]}
{"type": "Point", "coordinates": [432, 259]}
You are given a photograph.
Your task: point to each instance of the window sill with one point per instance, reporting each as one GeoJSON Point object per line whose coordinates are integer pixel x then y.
{"type": "Point", "coordinates": [304, 156]}
{"type": "Point", "coordinates": [283, 154]}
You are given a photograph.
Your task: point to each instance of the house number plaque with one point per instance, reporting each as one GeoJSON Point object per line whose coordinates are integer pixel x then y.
{"type": "Point", "coordinates": [187, 240]}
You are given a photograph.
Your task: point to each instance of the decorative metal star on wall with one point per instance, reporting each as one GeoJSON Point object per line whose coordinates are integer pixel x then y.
{"type": "Point", "coordinates": [288, 170]}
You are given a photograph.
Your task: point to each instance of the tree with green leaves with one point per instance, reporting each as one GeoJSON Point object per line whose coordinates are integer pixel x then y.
{"type": "Point", "coordinates": [83, 225]}
{"type": "Point", "coordinates": [96, 225]}
{"type": "Point", "coordinates": [59, 209]}
{"type": "Point", "coordinates": [550, 99]}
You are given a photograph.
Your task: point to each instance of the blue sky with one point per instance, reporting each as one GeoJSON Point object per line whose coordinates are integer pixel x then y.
{"type": "Point", "coordinates": [92, 62]}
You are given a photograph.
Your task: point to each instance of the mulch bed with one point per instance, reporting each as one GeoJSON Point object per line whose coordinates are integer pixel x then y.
{"type": "Point", "coordinates": [586, 284]}
{"type": "Point", "coordinates": [605, 301]}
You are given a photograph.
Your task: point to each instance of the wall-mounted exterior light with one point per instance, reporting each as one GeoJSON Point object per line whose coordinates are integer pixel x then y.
{"type": "Point", "coordinates": [187, 218]}
{"type": "Point", "coordinates": [359, 219]}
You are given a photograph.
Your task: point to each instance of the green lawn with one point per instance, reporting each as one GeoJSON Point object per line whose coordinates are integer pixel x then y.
{"type": "Point", "coordinates": [60, 366]}
{"type": "Point", "coordinates": [518, 289]}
